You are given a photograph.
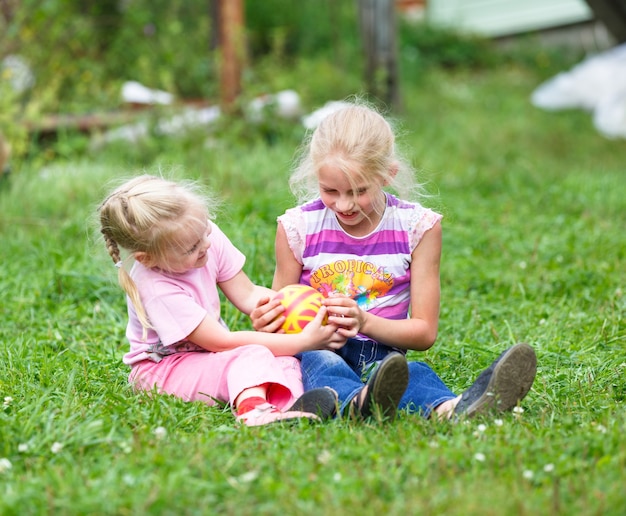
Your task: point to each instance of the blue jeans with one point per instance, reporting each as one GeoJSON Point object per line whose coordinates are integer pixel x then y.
{"type": "Point", "coordinates": [347, 370]}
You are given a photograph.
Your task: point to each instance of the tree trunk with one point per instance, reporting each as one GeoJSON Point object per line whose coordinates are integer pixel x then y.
{"type": "Point", "coordinates": [232, 50]}
{"type": "Point", "coordinates": [378, 32]}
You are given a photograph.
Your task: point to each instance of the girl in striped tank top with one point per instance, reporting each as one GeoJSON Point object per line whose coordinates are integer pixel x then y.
{"type": "Point", "coordinates": [376, 259]}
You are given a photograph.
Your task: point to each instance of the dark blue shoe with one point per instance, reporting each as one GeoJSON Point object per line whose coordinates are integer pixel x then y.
{"type": "Point", "coordinates": [321, 402]}
{"type": "Point", "coordinates": [502, 385]}
{"type": "Point", "coordinates": [385, 388]}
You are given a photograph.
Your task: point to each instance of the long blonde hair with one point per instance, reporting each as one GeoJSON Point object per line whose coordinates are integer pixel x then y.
{"type": "Point", "coordinates": [148, 214]}
{"type": "Point", "coordinates": [354, 134]}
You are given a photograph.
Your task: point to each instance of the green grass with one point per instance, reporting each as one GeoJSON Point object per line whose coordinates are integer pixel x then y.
{"type": "Point", "coordinates": [534, 250]}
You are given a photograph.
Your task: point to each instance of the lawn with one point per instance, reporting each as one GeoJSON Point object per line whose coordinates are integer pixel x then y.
{"type": "Point", "coordinates": [534, 250]}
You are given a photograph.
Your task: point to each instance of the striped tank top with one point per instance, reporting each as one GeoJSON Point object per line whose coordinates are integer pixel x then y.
{"type": "Point", "coordinates": [374, 269]}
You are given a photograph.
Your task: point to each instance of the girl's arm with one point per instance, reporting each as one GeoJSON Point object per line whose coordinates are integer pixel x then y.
{"type": "Point", "coordinates": [420, 330]}
{"type": "Point", "coordinates": [212, 336]}
{"type": "Point", "coordinates": [288, 269]}
{"type": "Point", "coordinates": [242, 293]}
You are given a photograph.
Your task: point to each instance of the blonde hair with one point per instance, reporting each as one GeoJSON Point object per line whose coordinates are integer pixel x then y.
{"type": "Point", "coordinates": [356, 134]}
{"type": "Point", "coordinates": [149, 214]}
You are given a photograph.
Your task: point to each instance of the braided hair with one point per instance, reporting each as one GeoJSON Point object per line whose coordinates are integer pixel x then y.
{"type": "Point", "coordinates": [148, 214]}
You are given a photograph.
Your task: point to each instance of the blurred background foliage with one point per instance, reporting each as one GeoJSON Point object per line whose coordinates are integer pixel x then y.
{"type": "Point", "coordinates": [80, 53]}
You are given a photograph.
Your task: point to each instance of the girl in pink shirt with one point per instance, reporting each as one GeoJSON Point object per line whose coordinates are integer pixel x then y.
{"type": "Point", "coordinates": [178, 342]}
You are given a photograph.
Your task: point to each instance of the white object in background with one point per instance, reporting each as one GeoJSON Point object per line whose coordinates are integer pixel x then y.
{"type": "Point", "coordinates": [18, 72]}
{"type": "Point", "coordinates": [586, 84]}
{"type": "Point", "coordinates": [189, 119]}
{"type": "Point", "coordinates": [495, 18]}
{"type": "Point", "coordinates": [137, 93]}
{"type": "Point", "coordinates": [597, 84]}
{"type": "Point", "coordinates": [177, 124]}
{"type": "Point", "coordinates": [286, 104]}
{"type": "Point", "coordinates": [609, 117]}
{"type": "Point", "coordinates": [312, 120]}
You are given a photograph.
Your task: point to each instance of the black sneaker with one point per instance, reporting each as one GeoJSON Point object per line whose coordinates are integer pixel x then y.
{"type": "Point", "coordinates": [321, 402]}
{"type": "Point", "coordinates": [502, 385]}
{"type": "Point", "coordinates": [385, 388]}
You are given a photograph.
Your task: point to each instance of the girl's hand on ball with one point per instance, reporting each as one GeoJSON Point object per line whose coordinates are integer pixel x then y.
{"type": "Point", "coordinates": [322, 335]}
{"type": "Point", "coordinates": [345, 313]}
{"type": "Point", "coordinates": [267, 316]}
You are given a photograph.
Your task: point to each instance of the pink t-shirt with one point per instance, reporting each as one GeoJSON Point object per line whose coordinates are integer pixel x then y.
{"type": "Point", "coordinates": [177, 303]}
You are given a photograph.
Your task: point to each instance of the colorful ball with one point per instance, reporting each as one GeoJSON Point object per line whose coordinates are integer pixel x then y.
{"type": "Point", "coordinates": [301, 304]}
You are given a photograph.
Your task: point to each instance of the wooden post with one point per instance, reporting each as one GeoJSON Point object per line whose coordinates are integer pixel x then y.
{"type": "Point", "coordinates": [7, 9]}
{"type": "Point", "coordinates": [232, 54]}
{"type": "Point", "coordinates": [378, 31]}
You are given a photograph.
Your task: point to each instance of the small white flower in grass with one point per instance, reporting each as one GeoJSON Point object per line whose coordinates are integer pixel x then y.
{"type": "Point", "coordinates": [518, 411]}
{"type": "Point", "coordinates": [248, 477]}
{"type": "Point", "coordinates": [528, 474]}
{"type": "Point", "coordinates": [5, 465]}
{"type": "Point", "coordinates": [22, 447]}
{"type": "Point", "coordinates": [498, 422]}
{"type": "Point", "coordinates": [480, 457]}
{"type": "Point", "coordinates": [337, 477]}
{"type": "Point", "coordinates": [549, 468]}
{"type": "Point", "coordinates": [324, 457]}
{"type": "Point", "coordinates": [480, 430]}
{"type": "Point", "coordinates": [601, 429]}
{"type": "Point", "coordinates": [522, 264]}
{"type": "Point", "coordinates": [7, 401]}
{"type": "Point", "coordinates": [56, 447]}
{"type": "Point", "coordinates": [244, 478]}
{"type": "Point", "coordinates": [433, 444]}
{"type": "Point", "coordinates": [159, 432]}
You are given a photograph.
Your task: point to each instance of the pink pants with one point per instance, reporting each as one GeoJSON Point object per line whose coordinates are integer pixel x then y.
{"type": "Point", "coordinates": [221, 377]}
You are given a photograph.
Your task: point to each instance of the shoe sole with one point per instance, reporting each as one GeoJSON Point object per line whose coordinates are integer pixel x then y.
{"type": "Point", "coordinates": [322, 402]}
{"type": "Point", "coordinates": [276, 417]}
{"type": "Point", "coordinates": [512, 378]}
{"type": "Point", "coordinates": [386, 388]}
